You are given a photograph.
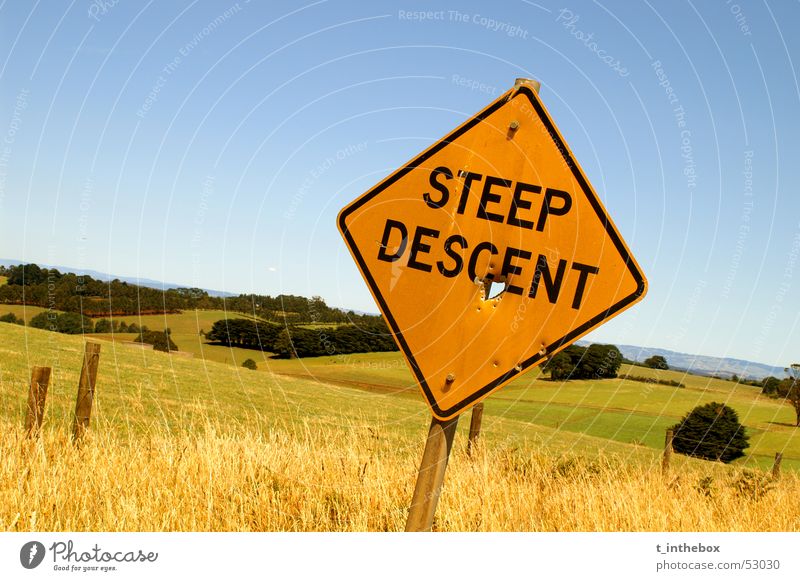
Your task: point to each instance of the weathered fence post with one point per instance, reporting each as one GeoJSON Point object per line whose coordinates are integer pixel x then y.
{"type": "Point", "coordinates": [475, 427]}
{"type": "Point", "coordinates": [667, 452]}
{"type": "Point", "coordinates": [37, 393]}
{"type": "Point", "coordinates": [431, 475]}
{"type": "Point", "coordinates": [776, 467]}
{"type": "Point", "coordinates": [83, 403]}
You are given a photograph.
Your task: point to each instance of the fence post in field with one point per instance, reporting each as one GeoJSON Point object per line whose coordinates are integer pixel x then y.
{"type": "Point", "coordinates": [37, 393]}
{"type": "Point", "coordinates": [86, 386]}
{"type": "Point", "coordinates": [776, 467]}
{"type": "Point", "coordinates": [667, 452]}
{"type": "Point", "coordinates": [431, 475]}
{"type": "Point", "coordinates": [475, 427]}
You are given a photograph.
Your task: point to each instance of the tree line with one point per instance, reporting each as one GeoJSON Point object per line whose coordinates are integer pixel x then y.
{"type": "Point", "coordinates": [298, 341]}
{"type": "Point", "coordinates": [32, 285]}
{"type": "Point", "coordinates": [74, 323]}
{"type": "Point", "coordinates": [593, 362]}
{"type": "Point", "coordinates": [48, 288]}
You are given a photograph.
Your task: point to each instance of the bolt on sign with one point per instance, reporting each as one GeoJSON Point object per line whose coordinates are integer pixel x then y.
{"type": "Point", "coordinates": [499, 203]}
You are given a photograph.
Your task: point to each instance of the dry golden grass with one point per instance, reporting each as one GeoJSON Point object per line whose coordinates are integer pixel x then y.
{"type": "Point", "coordinates": [309, 478]}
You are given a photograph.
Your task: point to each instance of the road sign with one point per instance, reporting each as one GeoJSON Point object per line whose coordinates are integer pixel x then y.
{"type": "Point", "coordinates": [499, 200]}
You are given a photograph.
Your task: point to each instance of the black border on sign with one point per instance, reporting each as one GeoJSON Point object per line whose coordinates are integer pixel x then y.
{"type": "Point", "coordinates": [555, 345]}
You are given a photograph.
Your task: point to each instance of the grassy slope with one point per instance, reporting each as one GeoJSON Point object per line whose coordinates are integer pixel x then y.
{"type": "Point", "coordinates": [186, 329]}
{"type": "Point", "coordinates": [21, 311]}
{"type": "Point", "coordinates": [186, 444]}
{"type": "Point", "coordinates": [622, 411]}
{"type": "Point", "coordinates": [140, 387]}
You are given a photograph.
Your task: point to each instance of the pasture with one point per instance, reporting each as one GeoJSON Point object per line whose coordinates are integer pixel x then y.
{"type": "Point", "coordinates": [333, 443]}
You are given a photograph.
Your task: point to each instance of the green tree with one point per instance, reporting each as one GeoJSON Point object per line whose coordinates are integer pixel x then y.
{"type": "Point", "coordinates": [769, 385]}
{"type": "Point", "coordinates": [9, 318]}
{"type": "Point", "coordinates": [158, 339]}
{"type": "Point", "coordinates": [284, 346]}
{"type": "Point", "coordinates": [593, 362]}
{"type": "Point", "coordinates": [163, 342]}
{"type": "Point", "coordinates": [711, 431]}
{"type": "Point", "coordinates": [29, 275]}
{"type": "Point", "coordinates": [249, 364]}
{"type": "Point", "coordinates": [70, 323]}
{"type": "Point", "coordinates": [656, 362]}
{"type": "Point", "coordinates": [103, 326]}
{"type": "Point", "coordinates": [44, 320]}
{"type": "Point", "coordinates": [600, 362]}
{"type": "Point", "coordinates": [74, 324]}
{"type": "Point", "coordinates": [789, 390]}
{"type": "Point", "coordinates": [560, 366]}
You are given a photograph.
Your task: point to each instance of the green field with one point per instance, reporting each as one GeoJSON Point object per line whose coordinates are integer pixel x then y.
{"type": "Point", "coordinates": [185, 329]}
{"type": "Point", "coordinates": [139, 388]}
{"type": "Point", "coordinates": [21, 311]}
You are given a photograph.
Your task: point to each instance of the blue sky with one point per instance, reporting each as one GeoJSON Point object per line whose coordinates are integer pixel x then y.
{"type": "Point", "coordinates": [212, 143]}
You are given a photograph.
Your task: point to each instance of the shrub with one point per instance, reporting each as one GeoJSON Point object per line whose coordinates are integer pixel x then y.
{"type": "Point", "coordinates": [70, 323]}
{"type": "Point", "coordinates": [158, 339]}
{"type": "Point", "coordinates": [298, 341]}
{"type": "Point", "coordinates": [245, 333]}
{"type": "Point", "coordinates": [656, 362]}
{"type": "Point", "coordinates": [669, 382]}
{"type": "Point", "coordinates": [103, 326]}
{"type": "Point", "coordinates": [769, 385]}
{"type": "Point", "coordinates": [593, 362]}
{"type": "Point", "coordinates": [249, 364]}
{"type": "Point", "coordinates": [9, 318]}
{"type": "Point", "coordinates": [711, 431]}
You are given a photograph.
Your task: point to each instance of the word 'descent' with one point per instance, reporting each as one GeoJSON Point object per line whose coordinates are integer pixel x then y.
{"type": "Point", "coordinates": [498, 203]}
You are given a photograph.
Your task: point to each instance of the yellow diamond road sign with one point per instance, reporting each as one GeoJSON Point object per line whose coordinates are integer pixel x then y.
{"type": "Point", "coordinates": [499, 200]}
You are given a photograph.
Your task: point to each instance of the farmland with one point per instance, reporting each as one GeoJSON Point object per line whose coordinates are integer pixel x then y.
{"type": "Point", "coordinates": [332, 443]}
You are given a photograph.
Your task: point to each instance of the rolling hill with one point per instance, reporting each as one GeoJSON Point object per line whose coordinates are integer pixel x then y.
{"type": "Point", "coordinates": [333, 444]}
{"type": "Point", "coordinates": [704, 365]}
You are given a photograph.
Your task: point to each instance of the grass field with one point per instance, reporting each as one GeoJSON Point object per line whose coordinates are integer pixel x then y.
{"type": "Point", "coordinates": [21, 311]}
{"type": "Point", "coordinates": [332, 443]}
{"type": "Point", "coordinates": [624, 411]}
{"type": "Point", "coordinates": [186, 327]}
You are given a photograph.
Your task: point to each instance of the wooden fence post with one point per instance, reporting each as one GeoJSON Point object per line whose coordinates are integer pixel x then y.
{"type": "Point", "coordinates": [475, 427]}
{"type": "Point", "coordinates": [776, 467]}
{"type": "Point", "coordinates": [37, 393]}
{"type": "Point", "coordinates": [431, 475]}
{"type": "Point", "coordinates": [86, 386]}
{"type": "Point", "coordinates": [667, 452]}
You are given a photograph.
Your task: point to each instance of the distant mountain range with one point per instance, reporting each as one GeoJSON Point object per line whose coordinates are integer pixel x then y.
{"type": "Point", "coordinates": [702, 364]}
{"type": "Point", "coordinates": [105, 277]}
